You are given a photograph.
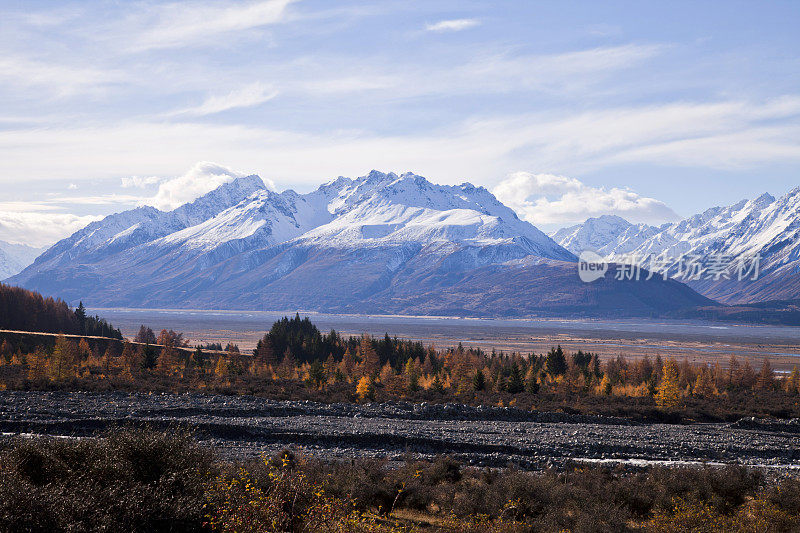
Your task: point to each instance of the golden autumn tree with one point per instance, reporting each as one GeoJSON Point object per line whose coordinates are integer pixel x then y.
{"type": "Point", "coordinates": [792, 384]}
{"type": "Point", "coordinates": [221, 369]}
{"type": "Point", "coordinates": [64, 359]}
{"type": "Point", "coordinates": [106, 361]}
{"type": "Point", "coordinates": [704, 384]}
{"type": "Point", "coordinates": [365, 389]}
{"type": "Point", "coordinates": [411, 372]}
{"type": "Point", "coordinates": [370, 363]}
{"type": "Point", "coordinates": [37, 365]}
{"type": "Point", "coordinates": [668, 394]}
{"type": "Point", "coordinates": [84, 350]}
{"type": "Point", "coordinates": [606, 387]}
{"type": "Point", "coordinates": [130, 359]}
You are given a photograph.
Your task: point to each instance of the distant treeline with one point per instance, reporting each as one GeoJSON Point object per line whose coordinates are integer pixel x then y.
{"type": "Point", "coordinates": [303, 342]}
{"type": "Point", "coordinates": [24, 310]}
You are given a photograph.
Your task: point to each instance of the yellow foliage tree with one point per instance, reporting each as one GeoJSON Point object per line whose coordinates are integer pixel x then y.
{"type": "Point", "coordinates": [605, 385]}
{"type": "Point", "coordinates": [668, 394]}
{"type": "Point", "coordinates": [793, 382]}
{"type": "Point", "coordinates": [37, 365]}
{"type": "Point", "coordinates": [704, 385]}
{"type": "Point", "coordinates": [364, 388]}
{"type": "Point", "coordinates": [370, 362]}
{"type": "Point", "coordinates": [64, 359]}
{"type": "Point", "coordinates": [84, 350]}
{"type": "Point", "coordinates": [221, 370]}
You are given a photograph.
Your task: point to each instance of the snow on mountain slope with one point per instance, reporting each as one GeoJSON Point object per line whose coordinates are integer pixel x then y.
{"type": "Point", "coordinates": [122, 231]}
{"type": "Point", "coordinates": [262, 219]}
{"type": "Point", "coordinates": [244, 243]}
{"type": "Point", "coordinates": [15, 257]}
{"type": "Point", "coordinates": [764, 227]}
{"type": "Point", "coordinates": [608, 235]}
{"type": "Point", "coordinates": [387, 210]}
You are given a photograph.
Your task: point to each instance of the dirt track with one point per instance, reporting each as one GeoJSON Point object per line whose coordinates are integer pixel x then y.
{"type": "Point", "coordinates": [246, 426]}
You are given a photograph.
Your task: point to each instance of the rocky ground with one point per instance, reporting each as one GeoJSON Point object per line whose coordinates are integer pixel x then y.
{"type": "Point", "coordinates": [246, 426]}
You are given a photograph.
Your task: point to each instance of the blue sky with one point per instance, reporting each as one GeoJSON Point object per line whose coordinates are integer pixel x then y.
{"type": "Point", "coordinates": [649, 110]}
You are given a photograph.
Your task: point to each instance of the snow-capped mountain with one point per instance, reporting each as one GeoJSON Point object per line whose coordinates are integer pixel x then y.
{"type": "Point", "coordinates": [608, 235]}
{"type": "Point", "coordinates": [379, 243]}
{"type": "Point", "coordinates": [122, 231]}
{"type": "Point", "coordinates": [765, 227]}
{"type": "Point", "coordinates": [15, 257]}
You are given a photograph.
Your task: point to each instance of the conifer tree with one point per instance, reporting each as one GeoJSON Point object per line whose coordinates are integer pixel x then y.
{"type": "Point", "coordinates": [130, 358]}
{"type": "Point", "coordinates": [704, 384]}
{"type": "Point", "coordinates": [64, 359]}
{"type": "Point", "coordinates": [370, 362]}
{"type": "Point", "coordinates": [145, 335]}
{"type": "Point", "coordinates": [199, 359]}
{"type": "Point", "coordinates": [316, 374]}
{"type": "Point", "coordinates": [556, 362]}
{"type": "Point", "coordinates": [148, 356]}
{"type": "Point", "coordinates": [515, 381]}
{"type": "Point", "coordinates": [734, 373]}
{"type": "Point", "coordinates": [288, 366]}
{"type": "Point", "coordinates": [37, 365]}
{"type": "Point", "coordinates": [411, 372]}
{"type": "Point", "coordinates": [84, 350]}
{"type": "Point", "coordinates": [766, 377]}
{"type": "Point", "coordinates": [364, 388]}
{"type": "Point", "coordinates": [80, 314]}
{"type": "Point", "coordinates": [531, 380]}
{"type": "Point", "coordinates": [221, 368]}
{"type": "Point", "coordinates": [6, 351]}
{"type": "Point", "coordinates": [479, 381]}
{"type": "Point", "coordinates": [793, 382]}
{"type": "Point", "coordinates": [668, 394]}
{"type": "Point", "coordinates": [437, 385]}
{"type": "Point", "coordinates": [606, 387]}
{"type": "Point", "coordinates": [108, 356]}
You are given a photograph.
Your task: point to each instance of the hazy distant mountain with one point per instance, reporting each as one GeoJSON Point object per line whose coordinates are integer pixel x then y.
{"type": "Point", "coordinates": [382, 243]}
{"type": "Point", "coordinates": [15, 257]}
{"type": "Point", "coordinates": [607, 235]}
{"type": "Point", "coordinates": [764, 226]}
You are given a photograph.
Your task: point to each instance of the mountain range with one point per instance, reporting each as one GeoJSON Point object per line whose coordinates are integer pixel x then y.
{"type": "Point", "coordinates": [380, 243]}
{"type": "Point", "coordinates": [15, 257]}
{"type": "Point", "coordinates": [766, 227]}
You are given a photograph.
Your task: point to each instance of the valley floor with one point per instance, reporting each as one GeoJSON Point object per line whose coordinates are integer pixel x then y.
{"type": "Point", "coordinates": [697, 341]}
{"type": "Point", "coordinates": [245, 426]}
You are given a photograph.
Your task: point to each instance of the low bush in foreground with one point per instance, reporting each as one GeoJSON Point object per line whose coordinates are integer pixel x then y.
{"type": "Point", "coordinates": [124, 481]}
{"type": "Point", "coordinates": [145, 481]}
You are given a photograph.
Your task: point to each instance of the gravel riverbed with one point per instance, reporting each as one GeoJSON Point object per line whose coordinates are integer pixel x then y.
{"type": "Point", "coordinates": [241, 426]}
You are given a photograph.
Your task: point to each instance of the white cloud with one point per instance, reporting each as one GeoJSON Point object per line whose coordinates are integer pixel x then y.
{"type": "Point", "coordinates": [485, 72]}
{"type": "Point", "coordinates": [453, 25]}
{"type": "Point", "coordinates": [139, 182]}
{"type": "Point", "coordinates": [552, 199]}
{"type": "Point", "coordinates": [40, 228]}
{"type": "Point", "coordinates": [184, 23]}
{"type": "Point", "coordinates": [716, 135]}
{"type": "Point", "coordinates": [247, 96]}
{"type": "Point", "coordinates": [200, 179]}
{"type": "Point", "coordinates": [72, 186]}
{"type": "Point", "coordinates": [60, 78]}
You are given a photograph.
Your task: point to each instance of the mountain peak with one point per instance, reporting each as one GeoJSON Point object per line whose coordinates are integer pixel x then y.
{"type": "Point", "coordinates": [227, 194]}
{"type": "Point", "coordinates": [767, 197]}
{"type": "Point", "coordinates": [252, 181]}
{"type": "Point", "coordinates": [609, 219]}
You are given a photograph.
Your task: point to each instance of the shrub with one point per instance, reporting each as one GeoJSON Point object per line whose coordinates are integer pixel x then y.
{"type": "Point", "coordinates": [130, 480]}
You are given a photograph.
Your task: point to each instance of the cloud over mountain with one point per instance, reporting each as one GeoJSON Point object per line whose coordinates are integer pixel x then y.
{"type": "Point", "coordinates": [199, 180]}
{"type": "Point", "coordinates": [554, 199]}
